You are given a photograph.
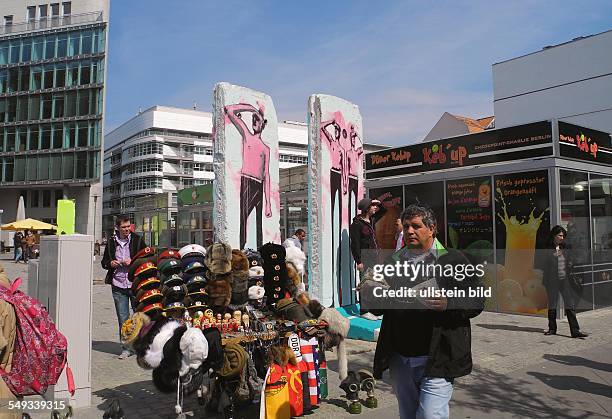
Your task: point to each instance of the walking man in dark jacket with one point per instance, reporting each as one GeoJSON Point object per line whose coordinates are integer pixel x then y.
{"type": "Point", "coordinates": [118, 255]}
{"type": "Point", "coordinates": [427, 346]}
{"type": "Point", "coordinates": [362, 234]}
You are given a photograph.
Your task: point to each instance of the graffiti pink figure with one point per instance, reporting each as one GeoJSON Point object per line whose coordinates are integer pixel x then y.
{"type": "Point", "coordinates": [255, 172]}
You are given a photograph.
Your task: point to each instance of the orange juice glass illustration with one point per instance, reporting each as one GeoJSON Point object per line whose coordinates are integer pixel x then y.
{"type": "Point", "coordinates": [484, 195]}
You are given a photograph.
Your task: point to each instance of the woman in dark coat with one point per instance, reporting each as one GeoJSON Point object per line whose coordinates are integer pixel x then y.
{"type": "Point", "coordinates": [557, 267]}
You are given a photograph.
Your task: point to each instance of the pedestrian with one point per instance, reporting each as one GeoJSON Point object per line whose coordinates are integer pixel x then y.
{"type": "Point", "coordinates": [362, 235]}
{"type": "Point", "coordinates": [17, 246]}
{"type": "Point", "coordinates": [30, 242]}
{"type": "Point", "coordinates": [118, 255]}
{"type": "Point", "coordinates": [426, 348]}
{"type": "Point", "coordinates": [399, 234]}
{"type": "Point", "coordinates": [24, 247]}
{"type": "Point", "coordinates": [296, 240]}
{"type": "Point", "coordinates": [557, 266]}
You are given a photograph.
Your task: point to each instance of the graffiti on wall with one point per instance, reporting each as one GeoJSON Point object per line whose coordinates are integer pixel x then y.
{"type": "Point", "coordinates": [246, 167]}
{"type": "Point", "coordinates": [335, 187]}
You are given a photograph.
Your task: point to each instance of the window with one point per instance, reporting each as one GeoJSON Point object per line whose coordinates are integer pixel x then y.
{"type": "Point", "coordinates": [42, 11]}
{"type": "Point", "coordinates": [50, 47]}
{"type": "Point", "coordinates": [87, 41]}
{"type": "Point", "coordinates": [59, 194]}
{"type": "Point", "coordinates": [34, 109]}
{"type": "Point", "coordinates": [55, 9]}
{"type": "Point", "coordinates": [26, 51]}
{"type": "Point", "coordinates": [62, 45]}
{"type": "Point", "coordinates": [31, 167]}
{"type": "Point", "coordinates": [8, 20]}
{"type": "Point", "coordinates": [34, 199]}
{"type": "Point", "coordinates": [31, 13]}
{"type": "Point", "coordinates": [58, 105]}
{"type": "Point", "coordinates": [43, 174]}
{"type": "Point", "coordinates": [288, 158]}
{"type": "Point", "coordinates": [48, 77]}
{"type": "Point", "coordinates": [67, 8]}
{"type": "Point", "coordinates": [37, 48]}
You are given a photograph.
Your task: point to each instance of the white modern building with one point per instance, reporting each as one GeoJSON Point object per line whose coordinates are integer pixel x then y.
{"type": "Point", "coordinates": [52, 78]}
{"type": "Point", "coordinates": [165, 149]}
{"type": "Point", "coordinates": [570, 81]}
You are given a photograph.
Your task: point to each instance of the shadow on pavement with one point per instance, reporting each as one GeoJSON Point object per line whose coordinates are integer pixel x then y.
{"type": "Point", "coordinates": [511, 328]}
{"type": "Point", "coordinates": [573, 382]}
{"type": "Point", "coordinates": [491, 393]}
{"type": "Point", "coordinates": [142, 400]}
{"type": "Point", "coordinates": [579, 361]}
{"type": "Point", "coordinates": [106, 346]}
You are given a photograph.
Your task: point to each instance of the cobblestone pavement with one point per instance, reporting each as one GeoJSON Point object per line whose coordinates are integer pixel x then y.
{"type": "Point", "coordinates": [518, 371]}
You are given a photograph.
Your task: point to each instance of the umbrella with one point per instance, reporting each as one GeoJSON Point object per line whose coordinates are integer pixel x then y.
{"type": "Point", "coordinates": [28, 224]}
{"type": "Point", "coordinates": [20, 210]}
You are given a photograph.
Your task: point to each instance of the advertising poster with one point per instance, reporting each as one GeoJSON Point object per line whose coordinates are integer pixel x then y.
{"type": "Point", "coordinates": [522, 223]}
{"type": "Point", "coordinates": [432, 195]}
{"type": "Point", "coordinates": [335, 170]}
{"type": "Point", "coordinates": [246, 193]}
{"type": "Point", "coordinates": [469, 216]}
{"type": "Point", "coordinates": [386, 227]}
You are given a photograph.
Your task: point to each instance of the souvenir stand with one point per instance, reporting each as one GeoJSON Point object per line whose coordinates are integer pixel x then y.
{"type": "Point", "coordinates": [233, 328]}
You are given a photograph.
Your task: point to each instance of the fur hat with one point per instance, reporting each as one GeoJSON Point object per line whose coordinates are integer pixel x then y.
{"type": "Point", "coordinates": [256, 272]}
{"type": "Point", "coordinates": [219, 258]}
{"type": "Point", "coordinates": [272, 254]}
{"type": "Point", "coordinates": [239, 261]}
{"type": "Point", "coordinates": [295, 280]}
{"type": "Point", "coordinates": [219, 293]}
{"type": "Point", "coordinates": [254, 257]}
{"type": "Point", "coordinates": [131, 328]}
{"type": "Point", "coordinates": [256, 292]}
{"type": "Point", "coordinates": [146, 336]}
{"type": "Point", "coordinates": [215, 349]}
{"type": "Point", "coordinates": [240, 285]}
{"type": "Point", "coordinates": [297, 258]}
{"type": "Point", "coordinates": [276, 281]}
{"type": "Point", "coordinates": [194, 348]}
{"type": "Point", "coordinates": [166, 373]}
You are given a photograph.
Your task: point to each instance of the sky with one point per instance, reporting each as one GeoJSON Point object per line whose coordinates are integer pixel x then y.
{"type": "Point", "coordinates": [404, 63]}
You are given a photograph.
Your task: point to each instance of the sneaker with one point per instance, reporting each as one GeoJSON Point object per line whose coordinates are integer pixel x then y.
{"type": "Point", "coordinates": [370, 316]}
{"type": "Point", "coordinates": [125, 354]}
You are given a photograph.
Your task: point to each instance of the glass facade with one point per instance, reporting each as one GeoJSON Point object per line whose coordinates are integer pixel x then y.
{"type": "Point", "coordinates": [51, 104]}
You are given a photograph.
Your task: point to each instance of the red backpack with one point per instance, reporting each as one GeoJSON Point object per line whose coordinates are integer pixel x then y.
{"type": "Point", "coordinates": [40, 350]}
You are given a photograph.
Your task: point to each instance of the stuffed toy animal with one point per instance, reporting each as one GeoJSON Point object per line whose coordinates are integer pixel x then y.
{"type": "Point", "coordinates": [336, 332]}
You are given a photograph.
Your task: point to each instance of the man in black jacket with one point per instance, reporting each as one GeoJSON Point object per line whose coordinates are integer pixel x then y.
{"type": "Point", "coordinates": [425, 349]}
{"type": "Point", "coordinates": [118, 255]}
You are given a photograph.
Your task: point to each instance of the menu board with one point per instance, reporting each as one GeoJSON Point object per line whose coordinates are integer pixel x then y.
{"type": "Point", "coordinates": [469, 217]}
{"type": "Point", "coordinates": [522, 217]}
{"type": "Point", "coordinates": [431, 195]}
{"type": "Point", "coordinates": [392, 199]}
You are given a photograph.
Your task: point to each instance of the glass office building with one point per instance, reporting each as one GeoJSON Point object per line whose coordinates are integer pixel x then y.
{"type": "Point", "coordinates": [52, 74]}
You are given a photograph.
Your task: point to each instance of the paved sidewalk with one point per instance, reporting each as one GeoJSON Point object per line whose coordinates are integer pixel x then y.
{"type": "Point", "coordinates": [519, 372]}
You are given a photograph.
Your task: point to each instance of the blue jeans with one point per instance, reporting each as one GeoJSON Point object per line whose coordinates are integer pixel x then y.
{"type": "Point", "coordinates": [18, 253]}
{"type": "Point", "coordinates": [418, 396]}
{"type": "Point", "coordinates": [121, 296]}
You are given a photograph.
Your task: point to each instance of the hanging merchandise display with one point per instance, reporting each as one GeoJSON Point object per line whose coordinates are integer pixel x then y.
{"type": "Point", "coordinates": [233, 328]}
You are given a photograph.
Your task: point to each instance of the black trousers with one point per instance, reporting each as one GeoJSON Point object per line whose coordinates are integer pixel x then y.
{"type": "Point", "coordinates": [569, 298]}
{"type": "Point", "coordinates": [251, 197]}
